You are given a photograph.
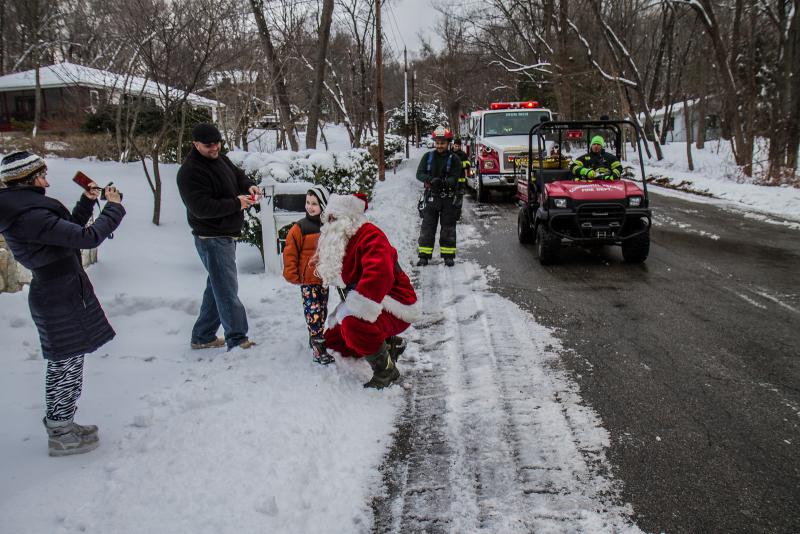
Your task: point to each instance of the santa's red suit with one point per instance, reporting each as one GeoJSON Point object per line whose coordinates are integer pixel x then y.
{"type": "Point", "coordinates": [355, 254]}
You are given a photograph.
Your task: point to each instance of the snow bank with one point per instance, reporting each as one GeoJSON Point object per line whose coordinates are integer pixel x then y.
{"type": "Point", "coordinates": [716, 173]}
{"type": "Point", "coordinates": [347, 171]}
{"type": "Point", "coordinates": [191, 441]}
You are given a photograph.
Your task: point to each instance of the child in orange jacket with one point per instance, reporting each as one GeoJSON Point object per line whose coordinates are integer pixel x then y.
{"type": "Point", "coordinates": [299, 267]}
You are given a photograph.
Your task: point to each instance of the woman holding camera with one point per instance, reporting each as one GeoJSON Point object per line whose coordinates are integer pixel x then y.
{"type": "Point", "coordinates": [47, 239]}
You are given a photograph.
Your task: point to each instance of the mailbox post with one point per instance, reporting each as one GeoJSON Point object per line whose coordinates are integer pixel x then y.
{"type": "Point", "coordinates": [282, 205]}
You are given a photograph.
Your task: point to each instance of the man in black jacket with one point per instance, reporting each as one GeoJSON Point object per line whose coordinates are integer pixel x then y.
{"type": "Point", "coordinates": [216, 193]}
{"type": "Point", "coordinates": [439, 170]}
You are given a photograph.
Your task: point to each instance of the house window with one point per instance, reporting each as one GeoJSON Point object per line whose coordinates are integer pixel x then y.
{"type": "Point", "coordinates": [24, 107]}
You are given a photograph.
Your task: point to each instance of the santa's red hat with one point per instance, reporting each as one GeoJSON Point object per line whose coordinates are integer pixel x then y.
{"type": "Point", "coordinates": [346, 205]}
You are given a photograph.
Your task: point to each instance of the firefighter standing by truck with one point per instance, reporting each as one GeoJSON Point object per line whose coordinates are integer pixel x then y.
{"type": "Point", "coordinates": [597, 164]}
{"type": "Point", "coordinates": [440, 171]}
{"type": "Point", "coordinates": [462, 178]}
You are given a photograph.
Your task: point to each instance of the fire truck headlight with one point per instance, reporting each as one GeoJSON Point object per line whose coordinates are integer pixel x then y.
{"type": "Point", "coordinates": [488, 164]}
{"type": "Point", "coordinates": [634, 202]}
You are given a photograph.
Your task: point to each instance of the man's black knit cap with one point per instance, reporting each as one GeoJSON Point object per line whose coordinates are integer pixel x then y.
{"type": "Point", "coordinates": [206, 133]}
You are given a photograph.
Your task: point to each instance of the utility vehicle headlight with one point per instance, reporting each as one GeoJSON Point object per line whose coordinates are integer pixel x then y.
{"type": "Point", "coordinates": [560, 202]}
{"type": "Point", "coordinates": [634, 202]}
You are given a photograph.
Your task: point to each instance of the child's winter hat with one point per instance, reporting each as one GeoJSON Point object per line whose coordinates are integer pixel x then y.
{"type": "Point", "coordinates": [347, 205]}
{"type": "Point", "coordinates": [21, 166]}
{"type": "Point", "coordinates": [321, 193]}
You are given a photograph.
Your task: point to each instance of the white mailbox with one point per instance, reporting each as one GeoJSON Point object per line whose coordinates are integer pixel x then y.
{"type": "Point", "coordinates": [282, 205]}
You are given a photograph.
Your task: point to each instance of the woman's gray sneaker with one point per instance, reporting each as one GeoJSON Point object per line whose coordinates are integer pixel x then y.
{"type": "Point", "coordinates": [66, 438]}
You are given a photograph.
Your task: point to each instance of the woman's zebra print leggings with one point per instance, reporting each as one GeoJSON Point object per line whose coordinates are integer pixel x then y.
{"type": "Point", "coordinates": [62, 386]}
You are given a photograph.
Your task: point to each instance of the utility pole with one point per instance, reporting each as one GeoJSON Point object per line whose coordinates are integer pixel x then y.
{"type": "Point", "coordinates": [379, 89]}
{"type": "Point", "coordinates": [405, 92]}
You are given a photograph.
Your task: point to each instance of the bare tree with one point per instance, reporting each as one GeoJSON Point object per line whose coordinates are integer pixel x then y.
{"type": "Point", "coordinates": [358, 19]}
{"type": "Point", "coordinates": [319, 73]}
{"type": "Point", "coordinates": [179, 48]}
{"type": "Point", "coordinates": [278, 82]}
{"type": "Point", "coordinates": [725, 52]}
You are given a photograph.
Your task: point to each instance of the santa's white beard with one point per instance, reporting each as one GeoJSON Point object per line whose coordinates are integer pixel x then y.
{"type": "Point", "coordinates": [333, 239]}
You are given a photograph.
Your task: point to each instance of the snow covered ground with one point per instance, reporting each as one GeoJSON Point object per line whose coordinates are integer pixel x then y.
{"type": "Point", "coordinates": [266, 441]}
{"type": "Point", "coordinates": [247, 441]}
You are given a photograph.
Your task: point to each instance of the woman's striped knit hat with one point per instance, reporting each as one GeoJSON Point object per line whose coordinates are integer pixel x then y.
{"type": "Point", "coordinates": [21, 166]}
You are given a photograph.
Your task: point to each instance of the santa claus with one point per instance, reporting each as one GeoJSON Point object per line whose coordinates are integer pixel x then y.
{"type": "Point", "coordinates": [355, 255]}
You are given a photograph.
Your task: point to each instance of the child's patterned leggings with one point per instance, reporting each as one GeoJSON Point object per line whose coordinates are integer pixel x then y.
{"type": "Point", "coordinates": [62, 385]}
{"type": "Point", "coordinates": [315, 306]}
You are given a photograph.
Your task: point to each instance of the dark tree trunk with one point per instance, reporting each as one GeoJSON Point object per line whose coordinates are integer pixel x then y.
{"type": "Point", "coordinates": [157, 185]}
{"type": "Point", "coordinates": [701, 116]}
{"type": "Point", "coordinates": [564, 95]}
{"type": "Point", "coordinates": [793, 130]}
{"type": "Point", "coordinates": [2, 37]}
{"type": "Point", "coordinates": [279, 85]}
{"type": "Point", "coordinates": [687, 118]}
{"type": "Point", "coordinates": [728, 93]}
{"type": "Point", "coordinates": [319, 73]}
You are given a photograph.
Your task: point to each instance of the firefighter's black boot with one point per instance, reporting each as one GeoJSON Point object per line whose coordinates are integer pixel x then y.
{"type": "Point", "coordinates": [449, 261]}
{"type": "Point", "coordinates": [384, 371]}
{"type": "Point", "coordinates": [397, 346]}
{"type": "Point", "coordinates": [423, 261]}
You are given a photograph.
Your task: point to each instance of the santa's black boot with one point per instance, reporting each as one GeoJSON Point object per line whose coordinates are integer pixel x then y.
{"type": "Point", "coordinates": [384, 372]}
{"type": "Point", "coordinates": [397, 346]}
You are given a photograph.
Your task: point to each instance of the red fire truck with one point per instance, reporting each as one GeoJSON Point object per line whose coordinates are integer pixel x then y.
{"type": "Point", "coordinates": [497, 140]}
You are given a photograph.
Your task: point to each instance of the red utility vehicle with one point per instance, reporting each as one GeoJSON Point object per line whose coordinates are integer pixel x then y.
{"type": "Point", "coordinates": [556, 210]}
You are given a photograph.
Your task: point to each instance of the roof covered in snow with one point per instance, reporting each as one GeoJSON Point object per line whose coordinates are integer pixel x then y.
{"type": "Point", "coordinates": [70, 74]}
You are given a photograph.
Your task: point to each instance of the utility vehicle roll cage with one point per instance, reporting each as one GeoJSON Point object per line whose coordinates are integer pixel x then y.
{"type": "Point", "coordinates": [562, 127]}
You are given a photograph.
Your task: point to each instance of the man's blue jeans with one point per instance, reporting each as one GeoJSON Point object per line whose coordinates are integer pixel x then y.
{"type": "Point", "coordinates": [221, 304]}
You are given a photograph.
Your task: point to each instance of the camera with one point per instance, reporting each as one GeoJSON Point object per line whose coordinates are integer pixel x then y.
{"type": "Point", "coordinates": [103, 192]}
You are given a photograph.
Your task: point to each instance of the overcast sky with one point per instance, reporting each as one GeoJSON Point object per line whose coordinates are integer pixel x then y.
{"type": "Point", "coordinates": [412, 17]}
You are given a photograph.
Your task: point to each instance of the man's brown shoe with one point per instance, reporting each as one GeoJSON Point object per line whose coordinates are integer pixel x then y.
{"type": "Point", "coordinates": [246, 344]}
{"type": "Point", "coordinates": [217, 343]}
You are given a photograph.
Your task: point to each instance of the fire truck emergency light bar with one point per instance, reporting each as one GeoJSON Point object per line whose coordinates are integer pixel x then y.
{"type": "Point", "coordinates": [514, 105]}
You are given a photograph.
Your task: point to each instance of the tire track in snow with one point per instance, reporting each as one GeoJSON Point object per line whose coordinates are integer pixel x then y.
{"type": "Point", "coordinates": [494, 437]}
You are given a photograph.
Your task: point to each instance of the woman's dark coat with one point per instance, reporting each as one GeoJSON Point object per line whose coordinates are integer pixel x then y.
{"type": "Point", "coordinates": [47, 239]}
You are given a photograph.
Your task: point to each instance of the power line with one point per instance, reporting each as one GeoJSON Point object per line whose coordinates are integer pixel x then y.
{"type": "Point", "coordinates": [396, 25]}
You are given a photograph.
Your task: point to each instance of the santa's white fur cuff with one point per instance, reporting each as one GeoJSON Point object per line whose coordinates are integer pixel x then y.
{"type": "Point", "coordinates": [368, 310]}
{"type": "Point", "coordinates": [360, 306]}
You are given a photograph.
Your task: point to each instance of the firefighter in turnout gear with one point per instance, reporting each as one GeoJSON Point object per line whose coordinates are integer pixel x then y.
{"type": "Point", "coordinates": [440, 171]}
{"type": "Point", "coordinates": [597, 164]}
{"type": "Point", "coordinates": [462, 179]}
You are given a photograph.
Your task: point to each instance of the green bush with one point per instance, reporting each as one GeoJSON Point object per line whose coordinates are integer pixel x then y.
{"type": "Point", "coordinates": [350, 171]}
{"type": "Point", "coordinates": [394, 147]}
{"type": "Point", "coordinates": [428, 116]}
